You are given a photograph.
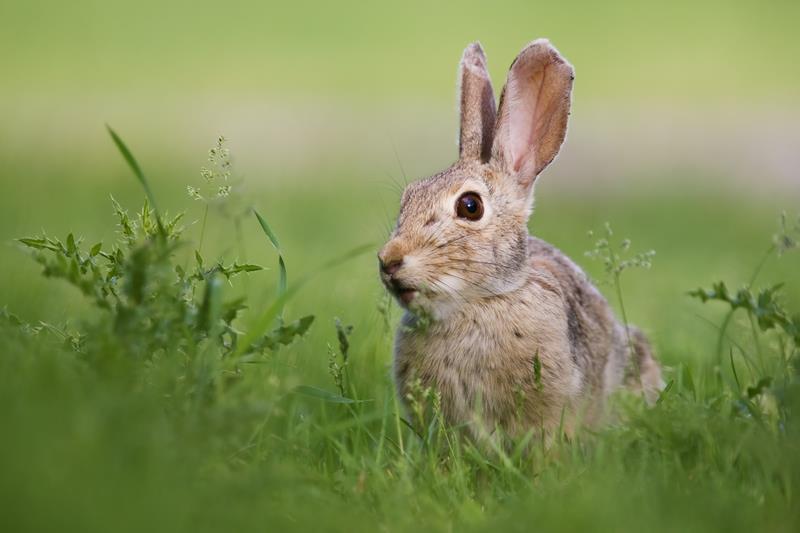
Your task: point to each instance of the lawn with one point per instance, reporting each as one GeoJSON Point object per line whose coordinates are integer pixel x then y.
{"type": "Point", "coordinates": [151, 419]}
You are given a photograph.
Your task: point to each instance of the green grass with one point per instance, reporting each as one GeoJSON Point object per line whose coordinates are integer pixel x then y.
{"type": "Point", "coordinates": [202, 436]}
{"type": "Point", "coordinates": [123, 436]}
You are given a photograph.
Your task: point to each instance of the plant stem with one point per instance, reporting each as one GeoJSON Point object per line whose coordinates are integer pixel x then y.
{"type": "Point", "coordinates": [618, 288]}
{"type": "Point", "coordinates": [760, 266]}
{"type": "Point", "coordinates": [237, 223]}
{"type": "Point", "coordinates": [616, 272]}
{"type": "Point", "coordinates": [721, 337]}
{"type": "Point", "coordinates": [756, 339]}
{"type": "Point", "coordinates": [203, 230]}
{"type": "Point", "coordinates": [398, 427]}
{"type": "Point", "coordinates": [729, 316]}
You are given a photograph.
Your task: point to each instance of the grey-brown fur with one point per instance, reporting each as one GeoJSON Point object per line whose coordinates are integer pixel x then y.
{"type": "Point", "coordinates": [477, 98]}
{"type": "Point", "coordinates": [498, 303]}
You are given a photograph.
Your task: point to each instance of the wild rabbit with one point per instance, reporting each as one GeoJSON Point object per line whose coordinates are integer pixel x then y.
{"type": "Point", "coordinates": [502, 324]}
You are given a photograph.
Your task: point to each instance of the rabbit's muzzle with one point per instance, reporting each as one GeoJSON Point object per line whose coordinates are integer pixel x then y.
{"type": "Point", "coordinates": [391, 265]}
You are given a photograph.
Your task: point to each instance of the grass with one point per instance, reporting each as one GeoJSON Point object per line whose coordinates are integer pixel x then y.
{"type": "Point", "coordinates": [143, 415]}
{"type": "Point", "coordinates": [167, 405]}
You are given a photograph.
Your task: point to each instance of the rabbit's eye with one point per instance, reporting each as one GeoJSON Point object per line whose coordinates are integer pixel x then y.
{"type": "Point", "coordinates": [470, 206]}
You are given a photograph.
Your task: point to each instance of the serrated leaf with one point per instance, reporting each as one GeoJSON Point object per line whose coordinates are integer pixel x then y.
{"type": "Point", "coordinates": [231, 309]}
{"type": "Point", "coordinates": [286, 333]}
{"type": "Point", "coordinates": [236, 268]}
{"type": "Point", "coordinates": [10, 317]}
{"type": "Point", "coordinates": [39, 244]}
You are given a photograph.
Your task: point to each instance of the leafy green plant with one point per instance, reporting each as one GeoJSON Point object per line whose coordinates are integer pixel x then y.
{"type": "Point", "coordinates": [155, 308]}
{"type": "Point", "coordinates": [773, 366]}
{"type": "Point", "coordinates": [70, 339]}
{"type": "Point", "coordinates": [764, 307]}
{"type": "Point", "coordinates": [785, 240]}
{"type": "Point", "coordinates": [616, 259]}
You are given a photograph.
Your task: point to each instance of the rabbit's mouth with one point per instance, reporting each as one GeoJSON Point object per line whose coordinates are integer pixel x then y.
{"type": "Point", "coordinates": [404, 293]}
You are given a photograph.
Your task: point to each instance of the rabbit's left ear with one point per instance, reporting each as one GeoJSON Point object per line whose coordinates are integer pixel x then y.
{"type": "Point", "coordinates": [477, 105]}
{"type": "Point", "coordinates": [534, 107]}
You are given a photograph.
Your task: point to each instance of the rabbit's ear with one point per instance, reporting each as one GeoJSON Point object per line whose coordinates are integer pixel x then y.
{"type": "Point", "coordinates": [477, 105]}
{"type": "Point", "coordinates": [534, 107]}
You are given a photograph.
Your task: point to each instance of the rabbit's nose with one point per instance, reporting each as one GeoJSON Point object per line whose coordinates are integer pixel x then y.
{"type": "Point", "coordinates": [390, 267]}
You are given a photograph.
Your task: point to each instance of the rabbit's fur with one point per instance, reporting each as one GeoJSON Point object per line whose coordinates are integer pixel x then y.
{"type": "Point", "coordinates": [506, 328]}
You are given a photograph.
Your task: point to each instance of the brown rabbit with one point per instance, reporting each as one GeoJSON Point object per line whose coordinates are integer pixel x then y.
{"type": "Point", "coordinates": [500, 323]}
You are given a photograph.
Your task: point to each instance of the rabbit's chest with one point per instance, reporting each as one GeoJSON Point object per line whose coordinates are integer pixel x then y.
{"type": "Point", "coordinates": [496, 371]}
{"type": "Point", "coordinates": [466, 370]}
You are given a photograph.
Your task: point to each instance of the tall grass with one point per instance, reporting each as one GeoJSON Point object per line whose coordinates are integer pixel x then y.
{"type": "Point", "coordinates": [177, 408]}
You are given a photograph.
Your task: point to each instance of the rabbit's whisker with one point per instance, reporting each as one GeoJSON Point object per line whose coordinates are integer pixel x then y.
{"type": "Point", "coordinates": [431, 241]}
{"type": "Point", "coordinates": [474, 284]}
{"type": "Point", "coordinates": [493, 263]}
{"type": "Point", "coordinates": [457, 260]}
{"type": "Point", "coordinates": [486, 274]}
{"type": "Point", "coordinates": [449, 289]}
{"type": "Point", "coordinates": [491, 275]}
{"type": "Point", "coordinates": [451, 241]}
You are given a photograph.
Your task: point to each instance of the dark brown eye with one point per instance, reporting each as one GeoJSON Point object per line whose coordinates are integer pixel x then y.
{"type": "Point", "coordinates": [470, 206]}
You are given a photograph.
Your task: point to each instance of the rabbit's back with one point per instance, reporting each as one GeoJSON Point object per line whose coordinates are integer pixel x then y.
{"type": "Point", "coordinates": [607, 355]}
{"type": "Point", "coordinates": [596, 339]}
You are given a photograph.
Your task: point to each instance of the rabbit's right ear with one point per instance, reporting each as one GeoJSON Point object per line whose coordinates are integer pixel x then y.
{"type": "Point", "coordinates": [534, 108]}
{"type": "Point", "coordinates": [478, 109]}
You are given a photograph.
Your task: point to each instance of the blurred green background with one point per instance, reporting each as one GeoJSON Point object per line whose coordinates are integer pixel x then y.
{"type": "Point", "coordinates": [683, 136]}
{"type": "Point", "coordinates": [683, 133]}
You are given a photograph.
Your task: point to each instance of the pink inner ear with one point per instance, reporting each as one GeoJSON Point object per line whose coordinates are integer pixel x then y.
{"type": "Point", "coordinates": [521, 129]}
{"type": "Point", "coordinates": [534, 111]}
{"type": "Point", "coordinates": [524, 93]}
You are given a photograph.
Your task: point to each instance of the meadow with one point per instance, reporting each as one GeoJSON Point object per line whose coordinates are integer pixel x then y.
{"type": "Point", "coordinates": [176, 382]}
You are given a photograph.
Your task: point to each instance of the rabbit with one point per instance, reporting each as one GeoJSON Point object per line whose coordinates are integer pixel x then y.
{"type": "Point", "coordinates": [509, 332]}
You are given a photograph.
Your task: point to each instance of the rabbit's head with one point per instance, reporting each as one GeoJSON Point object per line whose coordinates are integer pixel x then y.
{"type": "Point", "coordinates": [462, 234]}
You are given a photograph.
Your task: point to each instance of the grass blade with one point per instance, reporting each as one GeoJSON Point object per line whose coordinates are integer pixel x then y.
{"type": "Point", "coordinates": [265, 320]}
{"type": "Point", "coordinates": [283, 283]}
{"type": "Point", "coordinates": [322, 394]}
{"type": "Point", "coordinates": [137, 171]}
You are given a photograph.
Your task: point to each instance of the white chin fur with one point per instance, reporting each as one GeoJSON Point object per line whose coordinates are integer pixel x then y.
{"type": "Point", "coordinates": [448, 300]}
{"type": "Point", "coordinates": [452, 285]}
{"type": "Point", "coordinates": [442, 307]}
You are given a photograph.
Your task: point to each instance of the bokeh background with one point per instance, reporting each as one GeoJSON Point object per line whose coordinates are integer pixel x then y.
{"type": "Point", "coordinates": [683, 134]}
